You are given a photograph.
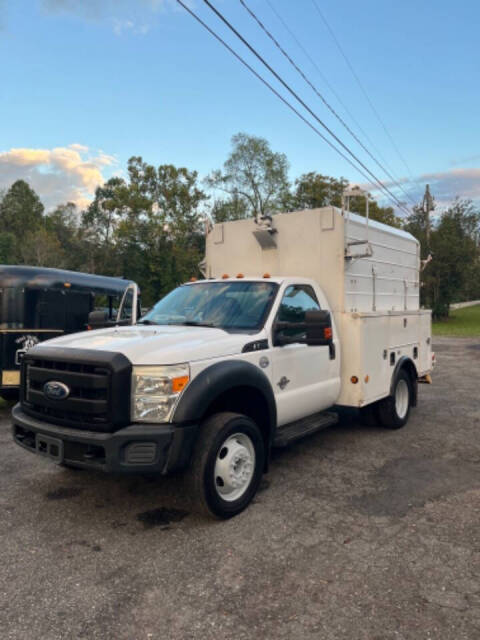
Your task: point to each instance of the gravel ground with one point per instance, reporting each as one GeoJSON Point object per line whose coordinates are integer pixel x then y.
{"type": "Point", "coordinates": [357, 533]}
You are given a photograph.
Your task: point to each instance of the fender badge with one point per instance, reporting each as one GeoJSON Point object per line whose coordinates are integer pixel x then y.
{"type": "Point", "coordinates": [264, 362]}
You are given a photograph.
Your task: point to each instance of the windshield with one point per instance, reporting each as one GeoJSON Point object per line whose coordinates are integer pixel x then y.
{"type": "Point", "coordinates": [224, 305]}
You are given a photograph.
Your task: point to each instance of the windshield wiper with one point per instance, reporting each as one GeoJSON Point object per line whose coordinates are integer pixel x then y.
{"type": "Point", "coordinates": [146, 322]}
{"type": "Point", "coordinates": [194, 323]}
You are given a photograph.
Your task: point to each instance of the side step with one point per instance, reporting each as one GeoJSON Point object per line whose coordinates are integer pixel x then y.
{"type": "Point", "coordinates": [295, 430]}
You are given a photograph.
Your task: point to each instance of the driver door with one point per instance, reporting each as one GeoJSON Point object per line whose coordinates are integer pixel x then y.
{"type": "Point", "coordinates": [305, 380]}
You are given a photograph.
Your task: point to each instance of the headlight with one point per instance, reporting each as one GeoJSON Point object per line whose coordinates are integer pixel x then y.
{"type": "Point", "coordinates": [155, 391]}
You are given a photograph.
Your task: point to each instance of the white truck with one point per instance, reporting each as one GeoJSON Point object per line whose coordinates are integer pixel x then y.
{"type": "Point", "coordinates": [297, 314]}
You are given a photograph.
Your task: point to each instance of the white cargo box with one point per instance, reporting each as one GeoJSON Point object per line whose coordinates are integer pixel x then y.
{"type": "Point", "coordinates": [323, 245]}
{"type": "Point", "coordinates": [369, 273]}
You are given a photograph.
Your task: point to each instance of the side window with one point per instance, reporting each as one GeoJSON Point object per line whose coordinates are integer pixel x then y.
{"type": "Point", "coordinates": [296, 300]}
{"type": "Point", "coordinates": [127, 309]}
{"type": "Point", "coordinates": [106, 303]}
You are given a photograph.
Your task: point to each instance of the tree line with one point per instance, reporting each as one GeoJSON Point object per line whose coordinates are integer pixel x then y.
{"type": "Point", "coordinates": [150, 226]}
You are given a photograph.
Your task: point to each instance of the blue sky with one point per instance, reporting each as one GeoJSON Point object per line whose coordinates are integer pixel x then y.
{"type": "Point", "coordinates": [86, 84]}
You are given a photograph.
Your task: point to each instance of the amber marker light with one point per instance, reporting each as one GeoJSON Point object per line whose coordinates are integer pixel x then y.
{"type": "Point", "coordinates": [266, 275]}
{"type": "Point", "coordinates": [354, 379]}
{"type": "Point", "coordinates": [367, 378]}
{"type": "Point", "coordinates": [67, 285]}
{"type": "Point", "coordinates": [225, 276]}
{"type": "Point", "coordinates": [193, 279]}
{"type": "Point", "coordinates": [240, 275]}
{"type": "Point", "coordinates": [327, 333]}
{"type": "Point", "coordinates": [179, 384]}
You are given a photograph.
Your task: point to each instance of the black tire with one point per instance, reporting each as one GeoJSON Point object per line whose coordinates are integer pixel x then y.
{"type": "Point", "coordinates": [202, 485]}
{"type": "Point", "coordinates": [388, 409]}
{"type": "Point", "coordinates": [369, 415]}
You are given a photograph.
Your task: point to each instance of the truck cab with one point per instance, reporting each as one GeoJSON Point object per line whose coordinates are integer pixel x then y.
{"type": "Point", "coordinates": [216, 374]}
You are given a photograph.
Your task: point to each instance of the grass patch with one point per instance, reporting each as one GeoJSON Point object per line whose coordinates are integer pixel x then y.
{"type": "Point", "coordinates": [461, 322]}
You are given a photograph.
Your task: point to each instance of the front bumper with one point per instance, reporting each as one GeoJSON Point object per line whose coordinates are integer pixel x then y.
{"type": "Point", "coordinates": [137, 448]}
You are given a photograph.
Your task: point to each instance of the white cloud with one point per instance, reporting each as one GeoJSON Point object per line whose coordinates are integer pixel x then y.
{"type": "Point", "coordinates": [121, 27]}
{"type": "Point", "coordinates": [58, 175]}
{"type": "Point", "coordinates": [125, 16]}
{"type": "Point", "coordinates": [445, 186]}
{"type": "Point", "coordinates": [78, 147]}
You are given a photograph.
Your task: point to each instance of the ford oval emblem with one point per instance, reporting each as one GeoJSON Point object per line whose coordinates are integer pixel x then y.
{"type": "Point", "coordinates": [55, 390]}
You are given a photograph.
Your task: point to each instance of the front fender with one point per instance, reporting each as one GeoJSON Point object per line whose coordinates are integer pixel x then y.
{"type": "Point", "coordinates": [215, 380]}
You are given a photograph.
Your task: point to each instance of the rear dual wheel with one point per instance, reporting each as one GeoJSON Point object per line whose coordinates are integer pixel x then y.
{"type": "Point", "coordinates": [392, 412]}
{"type": "Point", "coordinates": [227, 465]}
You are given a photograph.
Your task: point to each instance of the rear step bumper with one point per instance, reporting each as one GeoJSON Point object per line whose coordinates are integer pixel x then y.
{"type": "Point", "coordinates": [137, 448]}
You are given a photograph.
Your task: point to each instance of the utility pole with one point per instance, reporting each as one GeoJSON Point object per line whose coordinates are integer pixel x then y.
{"type": "Point", "coordinates": [428, 205]}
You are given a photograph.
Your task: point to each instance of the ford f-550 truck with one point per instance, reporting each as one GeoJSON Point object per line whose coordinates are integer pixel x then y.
{"type": "Point", "coordinates": [296, 314]}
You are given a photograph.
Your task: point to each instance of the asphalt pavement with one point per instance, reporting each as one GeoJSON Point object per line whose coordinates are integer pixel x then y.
{"type": "Point", "coordinates": [357, 533]}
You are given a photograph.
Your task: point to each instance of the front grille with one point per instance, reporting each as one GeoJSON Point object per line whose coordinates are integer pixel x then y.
{"type": "Point", "coordinates": [99, 384]}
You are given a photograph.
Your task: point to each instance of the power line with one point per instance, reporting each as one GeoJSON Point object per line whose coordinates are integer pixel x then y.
{"type": "Point", "coordinates": [272, 89]}
{"type": "Point", "coordinates": [326, 81]}
{"type": "Point", "coordinates": [322, 98]}
{"type": "Point", "coordinates": [305, 106]}
{"type": "Point", "coordinates": [362, 88]}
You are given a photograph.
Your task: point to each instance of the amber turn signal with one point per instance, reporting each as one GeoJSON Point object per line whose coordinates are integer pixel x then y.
{"type": "Point", "coordinates": [179, 384]}
{"type": "Point", "coordinates": [354, 379]}
{"type": "Point", "coordinates": [225, 276]}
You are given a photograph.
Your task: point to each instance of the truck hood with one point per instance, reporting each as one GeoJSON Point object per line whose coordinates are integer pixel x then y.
{"type": "Point", "coordinates": [157, 344]}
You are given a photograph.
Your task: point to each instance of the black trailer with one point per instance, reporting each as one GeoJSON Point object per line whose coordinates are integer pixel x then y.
{"type": "Point", "coordinates": [37, 303]}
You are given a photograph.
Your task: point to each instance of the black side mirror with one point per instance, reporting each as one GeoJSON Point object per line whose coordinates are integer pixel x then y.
{"type": "Point", "coordinates": [318, 328]}
{"type": "Point", "coordinates": [97, 319]}
{"type": "Point", "coordinates": [315, 331]}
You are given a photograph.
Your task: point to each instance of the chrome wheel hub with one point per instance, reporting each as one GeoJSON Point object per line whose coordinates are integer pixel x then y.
{"type": "Point", "coordinates": [234, 466]}
{"type": "Point", "coordinates": [402, 399]}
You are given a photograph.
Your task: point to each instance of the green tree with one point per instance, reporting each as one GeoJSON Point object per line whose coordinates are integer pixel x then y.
{"type": "Point", "coordinates": [7, 248]}
{"type": "Point", "coordinates": [20, 211]}
{"type": "Point", "coordinates": [42, 248]}
{"type": "Point", "coordinates": [452, 274]}
{"type": "Point", "coordinates": [148, 227]}
{"type": "Point", "coordinates": [386, 215]}
{"type": "Point", "coordinates": [62, 224]}
{"type": "Point", "coordinates": [314, 190]}
{"type": "Point", "coordinates": [224, 209]}
{"type": "Point", "coordinates": [103, 214]}
{"type": "Point", "coordinates": [254, 174]}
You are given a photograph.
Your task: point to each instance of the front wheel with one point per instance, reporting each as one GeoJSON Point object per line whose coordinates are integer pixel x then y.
{"type": "Point", "coordinates": [395, 410]}
{"type": "Point", "coordinates": [227, 464]}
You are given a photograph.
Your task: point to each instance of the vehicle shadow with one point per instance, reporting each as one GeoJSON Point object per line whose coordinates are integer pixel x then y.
{"type": "Point", "coordinates": [131, 502]}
